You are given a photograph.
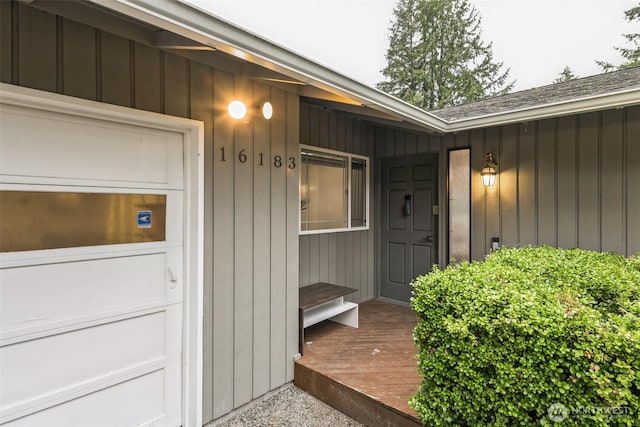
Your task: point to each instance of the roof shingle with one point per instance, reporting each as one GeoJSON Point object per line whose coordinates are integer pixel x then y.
{"type": "Point", "coordinates": [585, 87]}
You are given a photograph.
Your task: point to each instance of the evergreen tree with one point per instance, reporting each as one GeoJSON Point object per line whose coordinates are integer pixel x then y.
{"type": "Point", "coordinates": [437, 58]}
{"type": "Point", "coordinates": [632, 54]}
{"type": "Point", "coordinates": [565, 75]}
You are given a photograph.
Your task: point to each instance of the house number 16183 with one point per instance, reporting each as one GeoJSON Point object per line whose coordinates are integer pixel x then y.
{"type": "Point", "coordinates": [278, 161]}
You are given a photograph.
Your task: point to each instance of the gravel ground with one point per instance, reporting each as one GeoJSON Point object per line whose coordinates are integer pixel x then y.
{"type": "Point", "coordinates": [287, 407]}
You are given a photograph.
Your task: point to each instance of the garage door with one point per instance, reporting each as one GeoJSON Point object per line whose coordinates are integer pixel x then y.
{"type": "Point", "coordinates": [91, 272]}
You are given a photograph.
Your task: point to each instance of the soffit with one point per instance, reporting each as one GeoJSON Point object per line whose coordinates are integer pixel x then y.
{"type": "Point", "coordinates": [188, 31]}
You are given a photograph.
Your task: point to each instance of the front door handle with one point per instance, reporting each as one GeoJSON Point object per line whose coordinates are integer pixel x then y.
{"type": "Point", "coordinates": [406, 209]}
{"type": "Point", "coordinates": [428, 239]}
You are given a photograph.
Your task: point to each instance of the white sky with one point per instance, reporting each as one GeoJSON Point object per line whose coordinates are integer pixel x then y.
{"type": "Point", "coordinates": [536, 38]}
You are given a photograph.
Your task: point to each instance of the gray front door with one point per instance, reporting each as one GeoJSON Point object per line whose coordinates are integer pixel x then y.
{"type": "Point", "coordinates": [408, 246]}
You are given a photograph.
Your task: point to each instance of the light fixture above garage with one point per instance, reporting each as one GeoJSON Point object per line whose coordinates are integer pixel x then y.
{"type": "Point", "coordinates": [267, 110]}
{"type": "Point", "coordinates": [489, 171]}
{"type": "Point", "coordinates": [237, 109]}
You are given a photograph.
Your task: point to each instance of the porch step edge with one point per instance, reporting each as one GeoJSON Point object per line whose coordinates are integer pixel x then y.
{"type": "Point", "coordinates": [353, 403]}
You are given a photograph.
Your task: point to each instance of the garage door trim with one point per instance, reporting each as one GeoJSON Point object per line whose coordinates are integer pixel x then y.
{"type": "Point", "coordinates": [193, 133]}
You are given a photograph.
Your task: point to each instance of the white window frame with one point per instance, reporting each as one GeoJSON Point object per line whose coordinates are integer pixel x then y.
{"type": "Point", "coordinates": [349, 157]}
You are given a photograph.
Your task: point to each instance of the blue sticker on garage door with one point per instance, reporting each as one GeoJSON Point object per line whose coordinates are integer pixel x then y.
{"type": "Point", "coordinates": [144, 219]}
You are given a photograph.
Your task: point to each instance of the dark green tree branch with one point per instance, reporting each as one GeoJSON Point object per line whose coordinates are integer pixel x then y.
{"type": "Point", "coordinates": [630, 55]}
{"type": "Point", "coordinates": [437, 57]}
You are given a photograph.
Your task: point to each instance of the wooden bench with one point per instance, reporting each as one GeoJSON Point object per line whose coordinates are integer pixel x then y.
{"type": "Point", "coordinates": [323, 301]}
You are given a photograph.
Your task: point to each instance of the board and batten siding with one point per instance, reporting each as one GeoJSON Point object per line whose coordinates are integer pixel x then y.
{"type": "Point", "coordinates": [570, 181]}
{"type": "Point", "coordinates": [345, 258]}
{"type": "Point", "coordinates": [251, 211]}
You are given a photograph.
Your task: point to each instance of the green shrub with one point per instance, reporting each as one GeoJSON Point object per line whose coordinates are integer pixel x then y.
{"type": "Point", "coordinates": [531, 336]}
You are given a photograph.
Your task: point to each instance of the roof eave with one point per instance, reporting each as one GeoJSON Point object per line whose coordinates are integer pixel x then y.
{"type": "Point", "coordinates": [619, 99]}
{"type": "Point", "coordinates": [202, 27]}
{"type": "Point", "coordinates": [198, 25]}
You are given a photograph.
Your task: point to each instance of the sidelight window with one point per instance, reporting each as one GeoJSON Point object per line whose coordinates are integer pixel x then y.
{"type": "Point", "coordinates": [459, 205]}
{"type": "Point", "coordinates": [334, 191]}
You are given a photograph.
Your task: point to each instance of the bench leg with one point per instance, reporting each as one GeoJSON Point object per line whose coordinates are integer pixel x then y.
{"type": "Point", "coordinates": [348, 318]}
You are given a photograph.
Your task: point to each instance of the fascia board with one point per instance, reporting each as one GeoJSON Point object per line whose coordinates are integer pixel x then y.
{"type": "Point", "coordinates": [619, 99]}
{"type": "Point", "coordinates": [191, 22]}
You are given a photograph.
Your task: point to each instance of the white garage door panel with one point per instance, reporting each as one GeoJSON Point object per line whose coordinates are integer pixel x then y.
{"type": "Point", "coordinates": [91, 294]}
{"type": "Point", "coordinates": [41, 369]}
{"type": "Point", "coordinates": [174, 219]}
{"type": "Point", "coordinates": [73, 290]}
{"type": "Point", "coordinates": [36, 368]}
{"type": "Point", "coordinates": [107, 408]}
{"type": "Point", "coordinates": [60, 146]}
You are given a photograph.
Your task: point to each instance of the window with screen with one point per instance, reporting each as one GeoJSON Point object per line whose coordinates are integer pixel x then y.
{"type": "Point", "coordinates": [334, 191]}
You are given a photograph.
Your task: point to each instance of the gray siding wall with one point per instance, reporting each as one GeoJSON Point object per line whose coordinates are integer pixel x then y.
{"type": "Point", "coordinates": [569, 182]}
{"type": "Point", "coordinates": [251, 212]}
{"type": "Point", "coordinates": [347, 258]}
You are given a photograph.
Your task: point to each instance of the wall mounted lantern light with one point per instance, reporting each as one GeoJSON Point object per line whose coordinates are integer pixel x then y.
{"type": "Point", "coordinates": [489, 171]}
{"type": "Point", "coordinates": [237, 109]}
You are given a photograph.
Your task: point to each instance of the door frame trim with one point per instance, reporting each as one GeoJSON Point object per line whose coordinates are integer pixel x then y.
{"type": "Point", "coordinates": [377, 220]}
{"type": "Point", "coordinates": [193, 228]}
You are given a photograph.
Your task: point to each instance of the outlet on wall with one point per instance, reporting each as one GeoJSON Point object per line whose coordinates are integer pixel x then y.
{"type": "Point", "coordinates": [495, 243]}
